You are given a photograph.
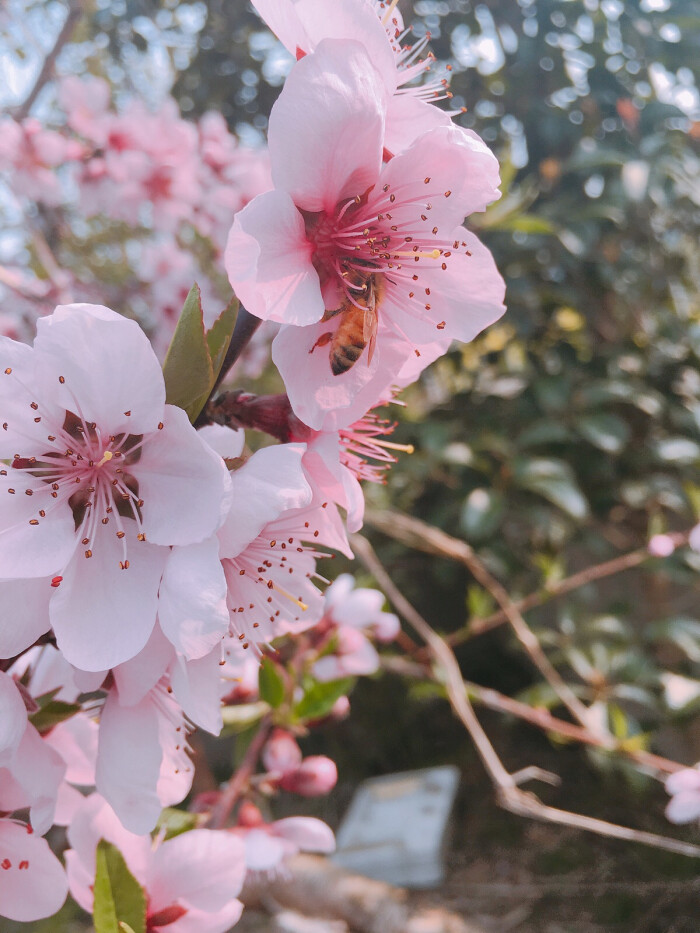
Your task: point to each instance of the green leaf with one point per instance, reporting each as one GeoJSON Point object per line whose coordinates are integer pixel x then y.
{"type": "Point", "coordinates": [119, 898]}
{"type": "Point", "coordinates": [195, 356]}
{"type": "Point", "coordinates": [319, 699]}
{"type": "Point", "coordinates": [219, 337]}
{"type": "Point", "coordinates": [240, 717]}
{"type": "Point", "coordinates": [176, 822]}
{"type": "Point", "coordinates": [607, 432]}
{"type": "Point", "coordinates": [187, 369]}
{"type": "Point", "coordinates": [553, 480]}
{"type": "Point", "coordinates": [270, 683]}
{"type": "Point", "coordinates": [482, 513]}
{"type": "Point", "coordinates": [51, 714]}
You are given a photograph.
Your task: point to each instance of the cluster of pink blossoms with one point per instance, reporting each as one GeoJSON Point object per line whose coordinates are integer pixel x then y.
{"type": "Point", "coordinates": [144, 564]}
{"type": "Point", "coordinates": [166, 179]}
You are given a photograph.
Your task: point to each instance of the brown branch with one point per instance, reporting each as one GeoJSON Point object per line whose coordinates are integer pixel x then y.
{"type": "Point", "coordinates": [439, 542]}
{"type": "Point", "coordinates": [508, 794]}
{"type": "Point", "coordinates": [542, 718]}
{"type": "Point", "coordinates": [443, 545]}
{"type": "Point", "coordinates": [240, 778]}
{"type": "Point", "coordinates": [75, 11]}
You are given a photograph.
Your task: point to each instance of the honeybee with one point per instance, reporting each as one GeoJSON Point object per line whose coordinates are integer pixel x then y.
{"type": "Point", "coordinates": [357, 328]}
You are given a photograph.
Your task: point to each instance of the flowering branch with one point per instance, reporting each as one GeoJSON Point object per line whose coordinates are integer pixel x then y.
{"type": "Point", "coordinates": [237, 784]}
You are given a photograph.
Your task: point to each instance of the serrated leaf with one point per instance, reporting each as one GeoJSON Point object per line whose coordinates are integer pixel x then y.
{"type": "Point", "coordinates": [553, 480]}
{"type": "Point", "coordinates": [270, 683]}
{"type": "Point", "coordinates": [187, 369]}
{"type": "Point", "coordinates": [119, 898]}
{"type": "Point", "coordinates": [605, 431]}
{"type": "Point", "coordinates": [219, 335]}
{"type": "Point", "coordinates": [319, 699]}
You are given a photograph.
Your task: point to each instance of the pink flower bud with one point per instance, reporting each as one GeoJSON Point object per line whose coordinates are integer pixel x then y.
{"type": "Point", "coordinates": [281, 753]}
{"type": "Point", "coordinates": [341, 708]}
{"type": "Point", "coordinates": [315, 776]}
{"type": "Point", "coordinates": [661, 546]}
{"type": "Point", "coordinates": [249, 815]}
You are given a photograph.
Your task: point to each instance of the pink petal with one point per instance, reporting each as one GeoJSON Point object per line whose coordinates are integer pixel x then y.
{"type": "Point", "coordinates": [271, 482]}
{"type": "Point", "coordinates": [103, 615]}
{"type": "Point", "coordinates": [200, 921]}
{"type": "Point", "coordinates": [306, 832]}
{"type": "Point", "coordinates": [183, 483]}
{"type": "Point", "coordinates": [203, 868]}
{"type": "Point", "coordinates": [224, 441]}
{"type": "Point", "coordinates": [268, 261]}
{"type": "Point", "coordinates": [407, 118]}
{"type": "Point", "coordinates": [128, 763]}
{"type": "Point", "coordinates": [135, 677]}
{"type": "Point", "coordinates": [25, 614]}
{"type": "Point", "coordinates": [326, 129]}
{"type": "Point", "coordinates": [453, 160]}
{"type": "Point", "coordinates": [13, 718]}
{"type": "Point", "coordinates": [197, 688]}
{"type": "Point", "coordinates": [262, 851]}
{"type": "Point", "coordinates": [684, 807]}
{"type": "Point", "coordinates": [75, 740]}
{"type": "Point", "coordinates": [686, 780]}
{"type": "Point", "coordinates": [35, 886]}
{"type": "Point", "coordinates": [320, 399]}
{"type": "Point", "coordinates": [32, 550]}
{"type": "Point", "coordinates": [36, 772]}
{"type": "Point", "coordinates": [192, 604]}
{"type": "Point", "coordinates": [87, 345]}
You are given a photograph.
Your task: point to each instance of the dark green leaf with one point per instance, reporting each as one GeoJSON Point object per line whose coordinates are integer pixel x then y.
{"type": "Point", "coordinates": [51, 714]}
{"type": "Point", "coordinates": [608, 432]}
{"type": "Point", "coordinates": [187, 369]}
{"type": "Point", "coordinates": [553, 480]}
{"type": "Point", "coordinates": [219, 336]}
{"type": "Point", "coordinates": [319, 699]}
{"type": "Point", "coordinates": [482, 512]}
{"type": "Point", "coordinates": [270, 683]}
{"type": "Point", "coordinates": [119, 898]}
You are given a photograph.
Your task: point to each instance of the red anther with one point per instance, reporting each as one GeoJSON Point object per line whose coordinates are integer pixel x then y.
{"type": "Point", "coordinates": [56, 581]}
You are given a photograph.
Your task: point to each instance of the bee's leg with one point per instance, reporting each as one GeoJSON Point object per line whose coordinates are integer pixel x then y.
{"type": "Point", "coordinates": [322, 341]}
{"type": "Point", "coordinates": [330, 313]}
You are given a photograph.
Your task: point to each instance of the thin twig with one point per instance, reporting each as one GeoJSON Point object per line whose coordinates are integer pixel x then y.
{"type": "Point", "coordinates": [542, 718]}
{"type": "Point", "coordinates": [75, 11]}
{"type": "Point", "coordinates": [385, 522]}
{"type": "Point", "coordinates": [509, 795]}
{"type": "Point", "coordinates": [240, 778]}
{"type": "Point", "coordinates": [440, 542]}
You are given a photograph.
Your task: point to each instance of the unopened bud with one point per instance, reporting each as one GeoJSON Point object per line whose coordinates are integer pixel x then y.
{"type": "Point", "coordinates": [281, 753]}
{"type": "Point", "coordinates": [249, 816]}
{"type": "Point", "coordinates": [315, 776]}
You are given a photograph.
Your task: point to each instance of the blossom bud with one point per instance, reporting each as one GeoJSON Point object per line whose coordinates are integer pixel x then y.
{"type": "Point", "coordinates": [281, 753]}
{"type": "Point", "coordinates": [661, 546]}
{"type": "Point", "coordinates": [249, 816]}
{"type": "Point", "coordinates": [315, 776]}
{"type": "Point", "coordinates": [269, 413]}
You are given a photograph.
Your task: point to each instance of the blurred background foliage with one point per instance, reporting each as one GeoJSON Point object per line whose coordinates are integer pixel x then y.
{"type": "Point", "coordinates": [569, 432]}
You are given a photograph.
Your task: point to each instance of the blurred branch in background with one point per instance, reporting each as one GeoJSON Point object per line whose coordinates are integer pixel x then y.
{"type": "Point", "coordinates": [509, 795]}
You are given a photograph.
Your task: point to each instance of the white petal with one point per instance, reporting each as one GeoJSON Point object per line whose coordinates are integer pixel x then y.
{"type": "Point", "coordinates": [192, 605]}
{"type": "Point", "coordinates": [108, 366]}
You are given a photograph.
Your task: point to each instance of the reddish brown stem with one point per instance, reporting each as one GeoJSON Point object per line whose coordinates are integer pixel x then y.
{"type": "Point", "coordinates": [239, 780]}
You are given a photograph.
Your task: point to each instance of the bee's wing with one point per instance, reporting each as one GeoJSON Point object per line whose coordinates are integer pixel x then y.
{"type": "Point", "coordinates": [369, 330]}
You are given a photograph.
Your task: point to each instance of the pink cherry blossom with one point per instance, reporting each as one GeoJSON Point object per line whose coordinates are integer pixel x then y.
{"type": "Point", "coordinates": [350, 614]}
{"type": "Point", "coordinates": [684, 787]}
{"type": "Point", "coordinates": [267, 845]}
{"type": "Point", "coordinates": [104, 479]}
{"type": "Point", "coordinates": [31, 771]}
{"type": "Point", "coordinates": [32, 153]}
{"type": "Point", "coordinates": [32, 881]}
{"type": "Point", "coordinates": [339, 227]}
{"type": "Point", "coordinates": [191, 881]}
{"type": "Point", "coordinates": [269, 544]}
{"type": "Point", "coordinates": [302, 24]}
